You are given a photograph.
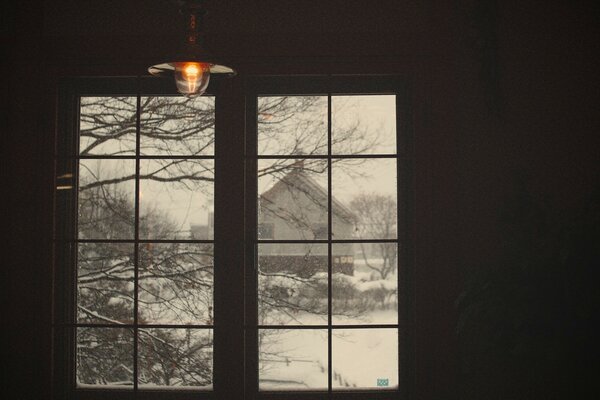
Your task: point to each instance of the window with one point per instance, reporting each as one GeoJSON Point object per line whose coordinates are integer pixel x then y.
{"type": "Point", "coordinates": [329, 176]}
{"type": "Point", "coordinates": [137, 246]}
{"type": "Point", "coordinates": [153, 276]}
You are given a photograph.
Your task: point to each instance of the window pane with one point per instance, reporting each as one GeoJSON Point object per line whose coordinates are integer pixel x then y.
{"type": "Point", "coordinates": [292, 359]}
{"type": "Point", "coordinates": [364, 358]}
{"type": "Point", "coordinates": [106, 199]}
{"type": "Point", "coordinates": [363, 124]}
{"type": "Point", "coordinates": [175, 357]}
{"type": "Point", "coordinates": [177, 125]}
{"type": "Point", "coordinates": [176, 283]}
{"type": "Point", "coordinates": [292, 125]}
{"type": "Point", "coordinates": [292, 284]}
{"type": "Point", "coordinates": [107, 126]}
{"type": "Point", "coordinates": [105, 283]}
{"type": "Point", "coordinates": [176, 199]}
{"type": "Point", "coordinates": [293, 198]}
{"type": "Point", "coordinates": [364, 283]}
{"type": "Point", "coordinates": [105, 357]}
{"type": "Point", "coordinates": [367, 187]}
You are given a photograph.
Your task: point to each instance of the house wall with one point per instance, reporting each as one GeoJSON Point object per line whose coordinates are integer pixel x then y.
{"type": "Point", "coordinates": [500, 92]}
{"type": "Point", "coordinates": [295, 215]}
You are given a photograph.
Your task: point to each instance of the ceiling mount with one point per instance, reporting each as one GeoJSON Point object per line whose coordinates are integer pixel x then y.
{"type": "Point", "coordinates": [192, 66]}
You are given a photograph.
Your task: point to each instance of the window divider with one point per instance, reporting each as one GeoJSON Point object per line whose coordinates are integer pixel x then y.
{"type": "Point", "coordinates": [251, 257]}
{"type": "Point", "coordinates": [229, 242]}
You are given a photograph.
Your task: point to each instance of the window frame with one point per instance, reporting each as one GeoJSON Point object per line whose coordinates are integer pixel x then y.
{"type": "Point", "coordinates": [235, 353]}
{"type": "Point", "coordinates": [66, 235]}
{"type": "Point", "coordinates": [329, 85]}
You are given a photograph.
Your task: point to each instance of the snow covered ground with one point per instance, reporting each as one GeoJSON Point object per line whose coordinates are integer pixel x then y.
{"type": "Point", "coordinates": [297, 359]}
{"type": "Point", "coordinates": [361, 357]}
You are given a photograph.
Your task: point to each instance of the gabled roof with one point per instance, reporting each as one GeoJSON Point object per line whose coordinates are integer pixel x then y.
{"type": "Point", "coordinates": [300, 181]}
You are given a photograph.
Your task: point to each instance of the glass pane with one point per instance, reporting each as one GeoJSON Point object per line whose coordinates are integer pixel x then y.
{"type": "Point", "coordinates": [176, 283]}
{"type": "Point", "coordinates": [364, 283]}
{"type": "Point", "coordinates": [176, 199]}
{"type": "Point", "coordinates": [292, 125]}
{"type": "Point", "coordinates": [292, 359]}
{"type": "Point", "coordinates": [177, 125]}
{"type": "Point", "coordinates": [107, 126]}
{"type": "Point", "coordinates": [175, 357]}
{"type": "Point", "coordinates": [365, 195]}
{"type": "Point", "coordinates": [106, 199]}
{"type": "Point", "coordinates": [105, 283]}
{"type": "Point", "coordinates": [105, 357]}
{"type": "Point", "coordinates": [292, 199]}
{"type": "Point", "coordinates": [364, 358]}
{"type": "Point", "coordinates": [292, 284]}
{"type": "Point", "coordinates": [363, 124]}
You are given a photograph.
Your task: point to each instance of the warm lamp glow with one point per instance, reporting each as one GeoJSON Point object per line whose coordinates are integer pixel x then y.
{"type": "Point", "coordinates": [192, 78]}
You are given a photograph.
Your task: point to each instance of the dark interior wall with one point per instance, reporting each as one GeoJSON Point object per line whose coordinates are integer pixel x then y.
{"type": "Point", "coordinates": [497, 91]}
{"type": "Point", "coordinates": [549, 79]}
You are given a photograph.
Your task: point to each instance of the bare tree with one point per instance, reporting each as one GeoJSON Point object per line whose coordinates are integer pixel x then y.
{"type": "Point", "coordinates": [377, 216]}
{"type": "Point", "coordinates": [178, 126]}
{"type": "Point", "coordinates": [297, 125]}
{"type": "Point", "coordinates": [175, 283]}
{"type": "Point", "coordinates": [169, 125]}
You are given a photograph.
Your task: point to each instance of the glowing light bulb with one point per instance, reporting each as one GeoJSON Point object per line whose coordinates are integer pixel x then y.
{"type": "Point", "coordinates": [192, 78]}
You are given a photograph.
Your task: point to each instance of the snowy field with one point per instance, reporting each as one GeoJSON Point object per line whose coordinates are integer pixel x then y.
{"type": "Point", "coordinates": [297, 359]}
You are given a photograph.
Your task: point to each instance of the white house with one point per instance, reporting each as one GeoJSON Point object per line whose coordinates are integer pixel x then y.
{"type": "Point", "coordinates": [295, 208]}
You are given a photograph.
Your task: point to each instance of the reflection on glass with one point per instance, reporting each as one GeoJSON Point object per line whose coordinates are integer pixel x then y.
{"type": "Point", "coordinates": [175, 357]}
{"type": "Point", "coordinates": [292, 125]}
{"type": "Point", "coordinates": [364, 283]}
{"type": "Point", "coordinates": [176, 283]}
{"type": "Point", "coordinates": [107, 126]}
{"type": "Point", "coordinates": [177, 125]}
{"type": "Point", "coordinates": [292, 283]}
{"type": "Point", "coordinates": [292, 359]}
{"type": "Point", "coordinates": [368, 188]}
{"type": "Point", "coordinates": [363, 124]}
{"type": "Point", "coordinates": [105, 357]}
{"type": "Point", "coordinates": [365, 358]}
{"type": "Point", "coordinates": [105, 283]}
{"type": "Point", "coordinates": [292, 199]}
{"type": "Point", "coordinates": [106, 199]}
{"type": "Point", "coordinates": [176, 199]}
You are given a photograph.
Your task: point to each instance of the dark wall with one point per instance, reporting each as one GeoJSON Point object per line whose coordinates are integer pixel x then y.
{"type": "Point", "coordinates": [499, 92]}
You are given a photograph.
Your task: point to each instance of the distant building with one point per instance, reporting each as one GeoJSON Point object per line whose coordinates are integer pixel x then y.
{"type": "Point", "coordinates": [295, 208]}
{"type": "Point", "coordinates": [204, 232]}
